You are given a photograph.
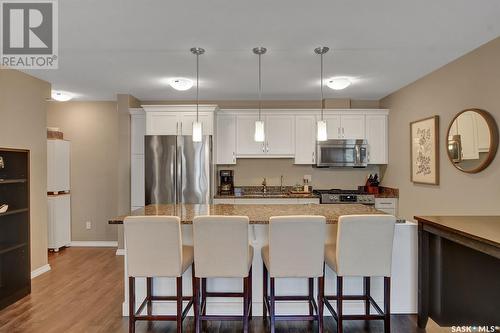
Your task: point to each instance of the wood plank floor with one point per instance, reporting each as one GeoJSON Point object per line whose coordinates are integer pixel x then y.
{"type": "Point", "coordinates": [84, 291]}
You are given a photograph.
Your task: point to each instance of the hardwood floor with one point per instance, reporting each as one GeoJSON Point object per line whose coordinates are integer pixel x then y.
{"type": "Point", "coordinates": [84, 291]}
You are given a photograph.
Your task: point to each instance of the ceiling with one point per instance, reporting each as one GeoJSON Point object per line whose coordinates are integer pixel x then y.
{"type": "Point", "coordinates": [130, 46]}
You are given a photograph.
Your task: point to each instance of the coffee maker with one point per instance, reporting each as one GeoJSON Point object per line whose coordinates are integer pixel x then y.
{"type": "Point", "coordinates": [226, 181]}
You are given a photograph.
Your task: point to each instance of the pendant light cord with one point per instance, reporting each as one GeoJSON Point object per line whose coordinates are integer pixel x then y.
{"type": "Point", "coordinates": [260, 89]}
{"type": "Point", "coordinates": [321, 75]}
{"type": "Point", "coordinates": [197, 84]}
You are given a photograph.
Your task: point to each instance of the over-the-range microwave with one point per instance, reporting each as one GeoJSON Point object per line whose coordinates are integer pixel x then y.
{"type": "Point", "coordinates": [342, 153]}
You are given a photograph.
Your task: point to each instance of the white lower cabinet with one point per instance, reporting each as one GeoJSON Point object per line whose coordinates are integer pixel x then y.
{"type": "Point", "coordinates": [387, 205]}
{"type": "Point", "coordinates": [59, 221]}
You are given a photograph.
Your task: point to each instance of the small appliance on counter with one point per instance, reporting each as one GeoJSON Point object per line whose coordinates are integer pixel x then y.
{"type": "Point", "coordinates": [226, 182]}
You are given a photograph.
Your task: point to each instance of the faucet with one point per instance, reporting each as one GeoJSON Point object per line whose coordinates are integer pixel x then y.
{"type": "Point", "coordinates": [282, 188]}
{"type": "Point", "coordinates": [264, 186]}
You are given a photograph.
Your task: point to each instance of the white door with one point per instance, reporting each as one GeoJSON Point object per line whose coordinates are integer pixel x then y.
{"type": "Point", "coordinates": [305, 139]}
{"type": "Point", "coordinates": [137, 132]}
{"type": "Point", "coordinates": [245, 130]}
{"type": "Point", "coordinates": [162, 123]}
{"type": "Point", "coordinates": [226, 139]}
{"type": "Point", "coordinates": [333, 126]}
{"type": "Point", "coordinates": [186, 123]}
{"type": "Point", "coordinates": [376, 136]}
{"type": "Point", "coordinates": [137, 191]}
{"type": "Point", "coordinates": [352, 126]}
{"type": "Point", "coordinates": [280, 135]}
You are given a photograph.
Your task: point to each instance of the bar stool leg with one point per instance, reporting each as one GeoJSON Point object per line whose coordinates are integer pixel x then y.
{"type": "Point", "coordinates": [366, 284]}
{"type": "Point", "coordinates": [339, 304]}
{"type": "Point", "coordinates": [195, 299]}
{"type": "Point", "coordinates": [204, 296]}
{"type": "Point", "coordinates": [272, 309]}
{"type": "Point", "coordinates": [245, 305]}
{"type": "Point", "coordinates": [264, 291]}
{"type": "Point", "coordinates": [250, 297]}
{"type": "Point", "coordinates": [179, 304]}
{"type": "Point", "coordinates": [149, 293]}
{"type": "Point", "coordinates": [321, 295]}
{"type": "Point", "coordinates": [387, 304]}
{"type": "Point", "coordinates": [131, 304]}
{"type": "Point", "coordinates": [311, 296]}
{"type": "Point", "coordinates": [197, 312]}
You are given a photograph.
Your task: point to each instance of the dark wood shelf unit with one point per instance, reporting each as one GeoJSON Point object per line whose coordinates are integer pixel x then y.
{"type": "Point", "coordinates": [15, 265]}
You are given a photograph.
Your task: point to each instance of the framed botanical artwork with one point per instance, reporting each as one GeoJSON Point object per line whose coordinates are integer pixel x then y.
{"type": "Point", "coordinates": [424, 150]}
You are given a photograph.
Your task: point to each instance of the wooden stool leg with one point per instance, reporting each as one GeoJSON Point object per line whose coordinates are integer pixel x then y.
{"type": "Point", "coordinates": [204, 295]}
{"type": "Point", "coordinates": [311, 296]}
{"type": "Point", "coordinates": [195, 299]}
{"type": "Point", "coordinates": [272, 309]}
{"type": "Point", "coordinates": [149, 293]}
{"type": "Point", "coordinates": [198, 305]}
{"type": "Point", "coordinates": [245, 305]}
{"type": "Point", "coordinates": [321, 295]}
{"type": "Point", "coordinates": [264, 291]}
{"type": "Point", "coordinates": [131, 304]}
{"type": "Point", "coordinates": [366, 287]}
{"type": "Point", "coordinates": [339, 304]}
{"type": "Point", "coordinates": [179, 304]}
{"type": "Point", "coordinates": [387, 304]}
{"type": "Point", "coordinates": [250, 297]}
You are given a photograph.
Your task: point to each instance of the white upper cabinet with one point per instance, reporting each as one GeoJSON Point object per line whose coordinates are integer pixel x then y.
{"type": "Point", "coordinates": [162, 123]}
{"type": "Point", "coordinates": [305, 140]}
{"type": "Point", "coordinates": [280, 135]}
{"type": "Point", "coordinates": [245, 130]}
{"type": "Point", "coordinates": [137, 132]}
{"type": "Point", "coordinates": [137, 187]}
{"type": "Point", "coordinates": [352, 126]}
{"type": "Point", "coordinates": [226, 139]}
{"type": "Point", "coordinates": [58, 165]}
{"type": "Point", "coordinates": [333, 129]}
{"type": "Point", "coordinates": [186, 123]}
{"type": "Point", "coordinates": [177, 119]}
{"type": "Point", "coordinates": [377, 138]}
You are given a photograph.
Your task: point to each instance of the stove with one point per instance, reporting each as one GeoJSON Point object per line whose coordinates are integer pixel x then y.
{"type": "Point", "coordinates": [334, 196]}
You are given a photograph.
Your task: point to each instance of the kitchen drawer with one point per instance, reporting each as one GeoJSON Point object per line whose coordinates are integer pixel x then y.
{"type": "Point", "coordinates": [388, 205]}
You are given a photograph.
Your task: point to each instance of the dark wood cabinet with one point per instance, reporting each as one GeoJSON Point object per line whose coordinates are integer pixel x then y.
{"type": "Point", "coordinates": [15, 269]}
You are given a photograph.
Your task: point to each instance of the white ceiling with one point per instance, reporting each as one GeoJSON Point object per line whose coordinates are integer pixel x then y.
{"type": "Point", "coordinates": [129, 46]}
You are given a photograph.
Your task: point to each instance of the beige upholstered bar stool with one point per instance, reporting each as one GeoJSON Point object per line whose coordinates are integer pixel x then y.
{"type": "Point", "coordinates": [363, 248]}
{"type": "Point", "coordinates": [295, 250]}
{"type": "Point", "coordinates": [154, 249]}
{"type": "Point", "coordinates": [222, 250]}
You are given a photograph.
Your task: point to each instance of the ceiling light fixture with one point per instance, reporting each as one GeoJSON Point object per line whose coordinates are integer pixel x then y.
{"type": "Point", "coordinates": [259, 135]}
{"type": "Point", "coordinates": [197, 126]}
{"type": "Point", "coordinates": [322, 134]}
{"type": "Point", "coordinates": [180, 83]}
{"type": "Point", "coordinates": [338, 83]}
{"type": "Point", "coordinates": [61, 96]}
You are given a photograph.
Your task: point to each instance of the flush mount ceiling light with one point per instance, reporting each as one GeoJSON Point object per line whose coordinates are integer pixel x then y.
{"type": "Point", "coordinates": [180, 83]}
{"type": "Point", "coordinates": [338, 83]}
{"type": "Point", "coordinates": [259, 135]}
{"type": "Point", "coordinates": [61, 96]}
{"type": "Point", "coordinates": [197, 127]}
{"type": "Point", "coordinates": [322, 134]}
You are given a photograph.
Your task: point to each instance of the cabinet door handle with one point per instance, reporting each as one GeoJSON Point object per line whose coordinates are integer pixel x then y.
{"type": "Point", "coordinates": [234, 157]}
{"type": "Point", "coordinates": [263, 149]}
{"type": "Point", "coordinates": [267, 147]}
{"type": "Point", "coordinates": [181, 127]}
{"type": "Point", "coordinates": [177, 128]}
{"type": "Point", "coordinates": [342, 131]}
{"type": "Point", "coordinates": [313, 156]}
{"type": "Point", "coordinates": [338, 132]}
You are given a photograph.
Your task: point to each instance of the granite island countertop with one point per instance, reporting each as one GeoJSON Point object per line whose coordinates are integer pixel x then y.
{"type": "Point", "coordinates": [258, 214]}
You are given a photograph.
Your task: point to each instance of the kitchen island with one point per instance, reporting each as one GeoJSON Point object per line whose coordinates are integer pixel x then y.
{"type": "Point", "coordinates": [404, 275]}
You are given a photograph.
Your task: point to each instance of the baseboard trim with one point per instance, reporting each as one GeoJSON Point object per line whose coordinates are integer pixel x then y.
{"type": "Point", "coordinates": [120, 252]}
{"type": "Point", "coordinates": [40, 270]}
{"type": "Point", "coordinates": [94, 244]}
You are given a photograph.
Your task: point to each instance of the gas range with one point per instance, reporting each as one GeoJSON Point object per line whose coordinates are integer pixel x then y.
{"type": "Point", "coordinates": [345, 196]}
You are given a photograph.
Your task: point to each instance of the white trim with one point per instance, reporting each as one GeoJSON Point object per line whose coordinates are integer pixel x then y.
{"type": "Point", "coordinates": [40, 270]}
{"type": "Point", "coordinates": [94, 244]}
{"type": "Point", "coordinates": [136, 111]}
{"type": "Point", "coordinates": [120, 252]}
{"type": "Point", "coordinates": [180, 108]}
{"type": "Point", "coordinates": [300, 112]}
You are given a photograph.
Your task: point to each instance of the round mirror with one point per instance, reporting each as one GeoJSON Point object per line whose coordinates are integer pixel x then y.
{"type": "Point", "coordinates": [472, 140]}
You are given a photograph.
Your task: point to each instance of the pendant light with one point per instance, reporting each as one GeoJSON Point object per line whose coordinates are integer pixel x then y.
{"type": "Point", "coordinates": [259, 135]}
{"type": "Point", "coordinates": [197, 127]}
{"type": "Point", "coordinates": [322, 134]}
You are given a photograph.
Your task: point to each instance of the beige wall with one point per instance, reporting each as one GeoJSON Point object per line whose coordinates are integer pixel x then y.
{"type": "Point", "coordinates": [471, 81]}
{"type": "Point", "coordinates": [251, 171]}
{"type": "Point", "coordinates": [93, 129]}
{"type": "Point", "coordinates": [23, 125]}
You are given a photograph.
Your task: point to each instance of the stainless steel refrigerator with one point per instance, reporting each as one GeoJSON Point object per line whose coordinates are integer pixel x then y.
{"type": "Point", "coordinates": [178, 170]}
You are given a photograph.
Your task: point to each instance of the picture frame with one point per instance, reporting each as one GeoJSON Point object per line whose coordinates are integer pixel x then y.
{"type": "Point", "coordinates": [424, 151]}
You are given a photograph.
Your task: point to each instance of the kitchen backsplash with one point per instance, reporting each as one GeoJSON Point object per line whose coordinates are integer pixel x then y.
{"type": "Point", "coordinates": [250, 172]}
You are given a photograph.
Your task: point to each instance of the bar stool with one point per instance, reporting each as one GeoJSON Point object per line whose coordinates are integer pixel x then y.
{"type": "Point", "coordinates": [154, 249]}
{"type": "Point", "coordinates": [363, 248]}
{"type": "Point", "coordinates": [295, 250]}
{"type": "Point", "coordinates": [221, 250]}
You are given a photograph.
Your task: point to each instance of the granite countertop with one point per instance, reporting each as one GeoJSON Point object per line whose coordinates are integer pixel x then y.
{"type": "Point", "coordinates": [258, 214]}
{"type": "Point", "coordinates": [266, 196]}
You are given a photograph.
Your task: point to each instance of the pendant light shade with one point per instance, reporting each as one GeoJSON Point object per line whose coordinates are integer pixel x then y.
{"type": "Point", "coordinates": [322, 134]}
{"type": "Point", "coordinates": [260, 135]}
{"type": "Point", "coordinates": [197, 125]}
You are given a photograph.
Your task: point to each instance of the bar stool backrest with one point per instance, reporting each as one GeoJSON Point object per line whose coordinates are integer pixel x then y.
{"type": "Point", "coordinates": [221, 247]}
{"type": "Point", "coordinates": [364, 245]}
{"type": "Point", "coordinates": [153, 246]}
{"type": "Point", "coordinates": [296, 246]}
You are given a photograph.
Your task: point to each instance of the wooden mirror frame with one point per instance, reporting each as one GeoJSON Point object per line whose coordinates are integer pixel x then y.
{"type": "Point", "coordinates": [492, 126]}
